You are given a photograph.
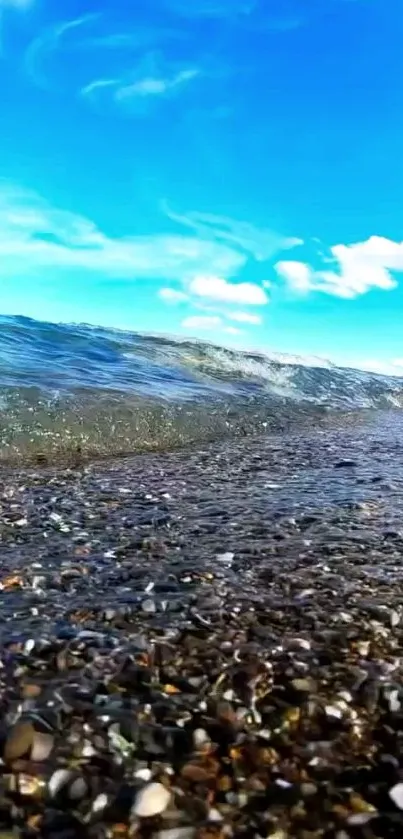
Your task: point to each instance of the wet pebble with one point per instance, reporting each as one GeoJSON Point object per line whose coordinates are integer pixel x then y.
{"type": "Point", "coordinates": [151, 800]}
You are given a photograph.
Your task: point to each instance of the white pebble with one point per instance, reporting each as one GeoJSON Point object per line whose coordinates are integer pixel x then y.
{"type": "Point", "coordinates": [394, 702]}
{"type": "Point", "coordinates": [334, 711]}
{"type": "Point", "coordinates": [59, 779]}
{"type": "Point", "coordinates": [200, 738]}
{"type": "Point", "coordinates": [396, 794]}
{"type": "Point", "coordinates": [144, 774]}
{"type": "Point", "coordinates": [358, 819]}
{"type": "Point", "coordinates": [177, 833]}
{"type": "Point", "coordinates": [299, 644]}
{"type": "Point", "coordinates": [151, 800]}
{"type": "Point", "coordinates": [100, 803]}
{"type": "Point", "coordinates": [214, 815]}
{"type": "Point", "coordinates": [226, 557]}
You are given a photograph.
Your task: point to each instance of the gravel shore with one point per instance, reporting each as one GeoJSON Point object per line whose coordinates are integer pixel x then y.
{"type": "Point", "coordinates": [206, 644]}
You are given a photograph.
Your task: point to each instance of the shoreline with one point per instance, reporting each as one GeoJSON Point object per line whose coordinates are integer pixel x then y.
{"type": "Point", "coordinates": [226, 622]}
{"type": "Point", "coordinates": [78, 454]}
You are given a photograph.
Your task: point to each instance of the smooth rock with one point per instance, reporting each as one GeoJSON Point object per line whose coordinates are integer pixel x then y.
{"type": "Point", "coordinates": [149, 606]}
{"type": "Point", "coordinates": [396, 794]}
{"type": "Point", "coordinates": [151, 800]}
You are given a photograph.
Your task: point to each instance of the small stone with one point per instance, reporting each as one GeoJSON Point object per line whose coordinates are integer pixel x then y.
{"type": "Point", "coordinates": [396, 794]}
{"type": "Point", "coordinates": [225, 558]}
{"type": "Point", "coordinates": [177, 833]}
{"type": "Point", "coordinates": [304, 685]}
{"type": "Point", "coordinates": [214, 815]}
{"type": "Point", "coordinates": [149, 606]}
{"type": "Point", "coordinates": [100, 802]}
{"type": "Point", "coordinates": [394, 702]}
{"type": "Point", "coordinates": [200, 738]}
{"type": "Point", "coordinates": [333, 712]}
{"type": "Point", "coordinates": [30, 690]}
{"type": "Point", "coordinates": [19, 741]}
{"type": "Point", "coordinates": [58, 780]}
{"type": "Point", "coordinates": [42, 746]}
{"type": "Point", "coordinates": [358, 819]}
{"type": "Point", "coordinates": [78, 789]}
{"type": "Point", "coordinates": [308, 789]}
{"type": "Point", "coordinates": [195, 774]}
{"type": "Point", "coordinates": [151, 800]}
{"type": "Point", "coordinates": [144, 774]}
{"type": "Point", "coordinates": [298, 644]}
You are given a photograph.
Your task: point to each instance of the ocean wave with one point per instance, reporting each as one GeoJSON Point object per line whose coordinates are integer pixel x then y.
{"type": "Point", "coordinates": [68, 389]}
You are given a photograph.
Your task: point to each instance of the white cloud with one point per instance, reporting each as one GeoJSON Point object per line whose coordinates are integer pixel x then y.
{"type": "Point", "coordinates": [171, 295]}
{"type": "Point", "coordinates": [233, 330]}
{"type": "Point", "coordinates": [219, 289]}
{"type": "Point", "coordinates": [209, 323]}
{"type": "Point", "coordinates": [245, 317]}
{"type": "Point", "coordinates": [37, 238]}
{"type": "Point", "coordinates": [359, 268]}
{"type": "Point", "coordinates": [203, 322]}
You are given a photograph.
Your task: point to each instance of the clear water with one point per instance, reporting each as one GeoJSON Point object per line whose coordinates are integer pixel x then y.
{"type": "Point", "coordinates": [68, 387]}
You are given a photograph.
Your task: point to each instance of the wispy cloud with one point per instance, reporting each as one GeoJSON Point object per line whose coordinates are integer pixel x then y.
{"type": "Point", "coordinates": [157, 86]}
{"type": "Point", "coordinates": [357, 269]}
{"type": "Point", "coordinates": [36, 237]}
{"type": "Point", "coordinates": [212, 8]}
{"type": "Point", "coordinates": [261, 244]}
{"type": "Point", "coordinates": [275, 17]}
{"type": "Point", "coordinates": [47, 44]}
{"type": "Point", "coordinates": [147, 73]}
{"type": "Point", "coordinates": [16, 4]}
{"type": "Point", "coordinates": [126, 92]}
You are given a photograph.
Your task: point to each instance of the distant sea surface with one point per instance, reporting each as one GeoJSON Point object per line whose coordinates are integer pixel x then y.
{"type": "Point", "coordinates": [68, 389]}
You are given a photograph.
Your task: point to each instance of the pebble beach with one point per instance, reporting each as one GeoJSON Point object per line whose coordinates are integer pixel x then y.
{"type": "Point", "coordinates": [206, 643]}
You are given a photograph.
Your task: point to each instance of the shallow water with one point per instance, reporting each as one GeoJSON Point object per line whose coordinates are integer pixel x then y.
{"type": "Point", "coordinates": [107, 392]}
{"type": "Point", "coordinates": [250, 590]}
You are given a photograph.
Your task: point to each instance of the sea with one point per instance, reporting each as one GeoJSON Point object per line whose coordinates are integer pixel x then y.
{"type": "Point", "coordinates": [100, 392]}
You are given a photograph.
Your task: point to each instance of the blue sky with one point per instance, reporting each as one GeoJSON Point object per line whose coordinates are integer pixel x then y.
{"type": "Point", "coordinates": [228, 169]}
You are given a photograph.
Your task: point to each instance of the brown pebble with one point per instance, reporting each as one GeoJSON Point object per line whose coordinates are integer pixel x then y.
{"type": "Point", "coordinates": [19, 741]}
{"type": "Point", "coordinates": [196, 774]}
{"type": "Point", "coordinates": [200, 772]}
{"type": "Point", "coordinates": [30, 690]}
